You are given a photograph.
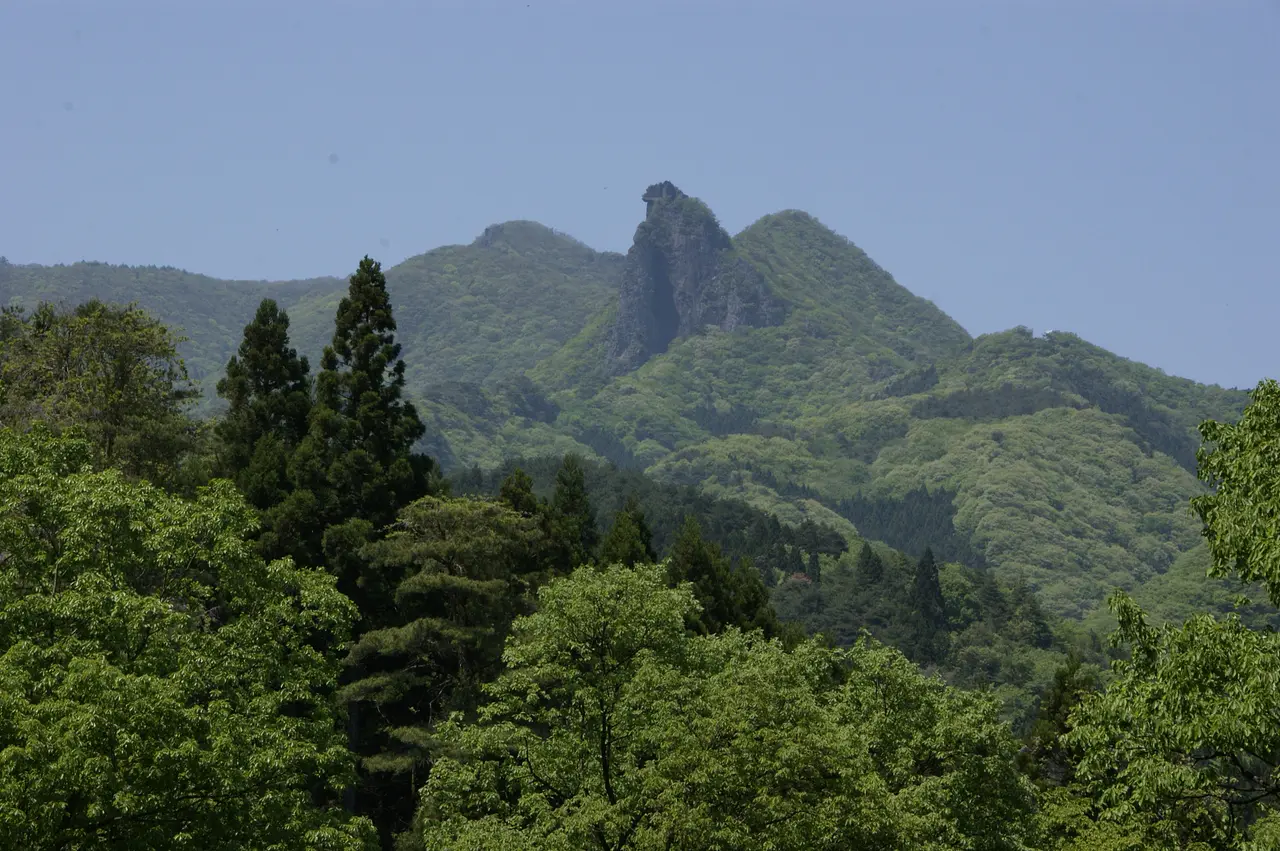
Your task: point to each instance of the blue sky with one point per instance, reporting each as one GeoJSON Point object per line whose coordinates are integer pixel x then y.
{"type": "Point", "coordinates": [1107, 167]}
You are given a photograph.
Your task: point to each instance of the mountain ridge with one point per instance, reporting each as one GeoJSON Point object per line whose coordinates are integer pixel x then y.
{"type": "Point", "coordinates": [852, 403]}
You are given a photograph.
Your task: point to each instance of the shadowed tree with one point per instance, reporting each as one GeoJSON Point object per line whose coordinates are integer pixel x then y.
{"type": "Point", "coordinates": [573, 530]}
{"type": "Point", "coordinates": [727, 594]}
{"type": "Point", "coordinates": [630, 540]}
{"type": "Point", "coordinates": [354, 472]}
{"type": "Point", "coordinates": [929, 639]}
{"type": "Point", "coordinates": [268, 389]}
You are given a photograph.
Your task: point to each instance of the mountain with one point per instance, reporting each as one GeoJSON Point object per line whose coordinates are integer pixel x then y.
{"type": "Point", "coordinates": [781, 367]}
{"type": "Point", "coordinates": [210, 312]}
{"type": "Point", "coordinates": [857, 404]}
{"type": "Point", "coordinates": [479, 313]}
{"type": "Point", "coordinates": [682, 274]}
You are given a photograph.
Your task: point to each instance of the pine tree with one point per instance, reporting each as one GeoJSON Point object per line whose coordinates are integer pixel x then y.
{"type": "Point", "coordinates": [868, 569]}
{"type": "Point", "coordinates": [353, 473]}
{"type": "Point", "coordinates": [630, 541]}
{"type": "Point", "coordinates": [1046, 757]}
{"type": "Point", "coordinates": [467, 566]}
{"type": "Point", "coordinates": [516, 491]}
{"type": "Point", "coordinates": [1027, 622]}
{"type": "Point", "coordinates": [357, 458]}
{"type": "Point", "coordinates": [929, 617]}
{"type": "Point", "coordinates": [573, 530]}
{"type": "Point", "coordinates": [268, 389]}
{"type": "Point", "coordinates": [814, 568]}
{"type": "Point", "coordinates": [729, 595]}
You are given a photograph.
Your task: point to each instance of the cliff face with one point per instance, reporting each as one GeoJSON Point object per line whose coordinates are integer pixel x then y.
{"type": "Point", "coordinates": [681, 275]}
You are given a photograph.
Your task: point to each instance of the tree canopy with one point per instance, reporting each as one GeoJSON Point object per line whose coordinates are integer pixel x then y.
{"type": "Point", "coordinates": [613, 727]}
{"type": "Point", "coordinates": [159, 682]}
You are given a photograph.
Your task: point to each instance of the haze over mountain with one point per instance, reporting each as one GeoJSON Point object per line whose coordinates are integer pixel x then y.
{"type": "Point", "coordinates": [781, 366]}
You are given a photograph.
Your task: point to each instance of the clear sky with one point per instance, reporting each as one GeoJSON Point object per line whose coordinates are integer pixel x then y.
{"type": "Point", "coordinates": [1108, 167]}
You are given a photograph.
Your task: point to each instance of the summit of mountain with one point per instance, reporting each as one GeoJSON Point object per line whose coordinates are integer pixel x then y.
{"type": "Point", "coordinates": [781, 366]}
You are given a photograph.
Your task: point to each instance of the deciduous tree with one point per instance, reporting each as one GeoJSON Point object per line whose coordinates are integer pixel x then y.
{"type": "Point", "coordinates": [159, 682]}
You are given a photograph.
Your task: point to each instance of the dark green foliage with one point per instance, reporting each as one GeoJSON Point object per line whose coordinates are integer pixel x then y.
{"type": "Point", "coordinates": [983, 403]}
{"type": "Point", "coordinates": [353, 473]}
{"type": "Point", "coordinates": [1027, 623]}
{"type": "Point", "coordinates": [919, 519]}
{"type": "Point", "coordinates": [630, 541]}
{"type": "Point", "coordinates": [928, 641]}
{"type": "Point", "coordinates": [988, 640]}
{"type": "Point", "coordinates": [357, 457]}
{"type": "Point", "coordinates": [1047, 758]}
{"type": "Point", "coordinates": [729, 594]}
{"type": "Point", "coordinates": [868, 570]}
{"type": "Point", "coordinates": [738, 529]}
{"type": "Point", "coordinates": [517, 492]}
{"type": "Point", "coordinates": [465, 568]}
{"type": "Point", "coordinates": [268, 390]}
{"type": "Point", "coordinates": [573, 532]}
{"type": "Point", "coordinates": [267, 387]}
{"type": "Point", "coordinates": [914, 381]}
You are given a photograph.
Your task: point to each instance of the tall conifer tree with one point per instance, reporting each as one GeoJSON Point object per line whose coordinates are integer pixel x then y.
{"type": "Point", "coordinates": [357, 457]}
{"type": "Point", "coordinates": [573, 530]}
{"type": "Point", "coordinates": [730, 595]}
{"type": "Point", "coordinates": [630, 540]}
{"type": "Point", "coordinates": [268, 388]}
{"type": "Point", "coordinates": [929, 615]}
{"type": "Point", "coordinates": [358, 467]}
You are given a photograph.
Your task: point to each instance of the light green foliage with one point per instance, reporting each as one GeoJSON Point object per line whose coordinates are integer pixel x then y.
{"type": "Point", "coordinates": [499, 305]}
{"type": "Point", "coordinates": [159, 683]}
{"type": "Point", "coordinates": [1067, 822]}
{"type": "Point", "coordinates": [1061, 496]}
{"type": "Point", "coordinates": [111, 372]}
{"type": "Point", "coordinates": [613, 728]}
{"type": "Point", "coordinates": [1186, 733]}
{"type": "Point", "coordinates": [1068, 465]}
{"type": "Point", "coordinates": [1242, 514]}
{"type": "Point", "coordinates": [1186, 589]}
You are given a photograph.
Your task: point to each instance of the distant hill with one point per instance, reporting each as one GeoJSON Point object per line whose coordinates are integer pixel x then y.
{"type": "Point", "coordinates": [782, 367]}
{"type": "Point", "coordinates": [210, 312]}
{"type": "Point", "coordinates": [477, 313]}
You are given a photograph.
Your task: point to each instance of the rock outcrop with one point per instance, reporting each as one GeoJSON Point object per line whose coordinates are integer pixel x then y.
{"type": "Point", "coordinates": [682, 275]}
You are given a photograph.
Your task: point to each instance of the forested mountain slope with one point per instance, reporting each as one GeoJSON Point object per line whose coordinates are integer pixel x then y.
{"type": "Point", "coordinates": [780, 366]}
{"type": "Point", "coordinates": [210, 312]}
{"type": "Point", "coordinates": [473, 313]}
{"type": "Point", "coordinates": [1042, 457]}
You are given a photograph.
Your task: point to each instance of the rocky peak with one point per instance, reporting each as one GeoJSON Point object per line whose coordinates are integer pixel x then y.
{"type": "Point", "coordinates": [681, 275]}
